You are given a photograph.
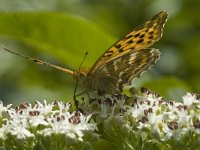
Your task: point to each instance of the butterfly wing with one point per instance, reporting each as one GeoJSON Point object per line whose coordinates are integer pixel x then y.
{"type": "Point", "coordinates": [141, 37]}
{"type": "Point", "coordinates": [115, 74]}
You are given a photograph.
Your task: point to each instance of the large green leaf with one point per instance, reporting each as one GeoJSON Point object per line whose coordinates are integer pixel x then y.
{"type": "Point", "coordinates": [63, 37]}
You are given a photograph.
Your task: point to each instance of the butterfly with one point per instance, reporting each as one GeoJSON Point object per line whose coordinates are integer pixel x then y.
{"type": "Point", "coordinates": [124, 61]}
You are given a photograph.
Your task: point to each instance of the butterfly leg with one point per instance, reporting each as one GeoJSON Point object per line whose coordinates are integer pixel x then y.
{"type": "Point", "coordinates": [76, 102]}
{"type": "Point", "coordinates": [81, 93]}
{"type": "Point", "coordinates": [84, 92]}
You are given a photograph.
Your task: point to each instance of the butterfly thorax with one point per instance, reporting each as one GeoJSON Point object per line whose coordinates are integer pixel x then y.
{"type": "Point", "coordinates": [95, 81]}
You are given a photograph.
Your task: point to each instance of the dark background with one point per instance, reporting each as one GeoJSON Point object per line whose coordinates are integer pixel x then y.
{"type": "Point", "coordinates": [61, 31]}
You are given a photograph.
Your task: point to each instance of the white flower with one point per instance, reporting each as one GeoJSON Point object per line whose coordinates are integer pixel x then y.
{"type": "Point", "coordinates": [138, 111]}
{"type": "Point", "coordinates": [73, 125]}
{"type": "Point", "coordinates": [184, 119]}
{"type": "Point", "coordinates": [4, 109]}
{"type": "Point", "coordinates": [63, 107]}
{"type": "Point", "coordinates": [37, 120]}
{"type": "Point", "coordinates": [188, 99]}
{"type": "Point", "coordinates": [43, 108]}
{"type": "Point", "coordinates": [18, 128]}
{"type": "Point", "coordinates": [168, 132]}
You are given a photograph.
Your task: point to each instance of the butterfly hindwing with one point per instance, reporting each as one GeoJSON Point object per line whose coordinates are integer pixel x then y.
{"type": "Point", "coordinates": [141, 37]}
{"type": "Point", "coordinates": [121, 71]}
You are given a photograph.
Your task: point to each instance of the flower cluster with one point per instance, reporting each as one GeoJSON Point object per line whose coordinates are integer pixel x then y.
{"type": "Point", "coordinates": [44, 126]}
{"type": "Point", "coordinates": [168, 120]}
{"type": "Point", "coordinates": [140, 121]}
{"type": "Point", "coordinates": [146, 120]}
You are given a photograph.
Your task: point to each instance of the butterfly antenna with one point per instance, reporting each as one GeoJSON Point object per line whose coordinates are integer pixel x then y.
{"type": "Point", "coordinates": [77, 80]}
{"type": "Point", "coordinates": [40, 61]}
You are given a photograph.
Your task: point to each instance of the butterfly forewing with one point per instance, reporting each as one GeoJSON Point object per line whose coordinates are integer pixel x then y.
{"type": "Point", "coordinates": [141, 37]}
{"type": "Point", "coordinates": [129, 57]}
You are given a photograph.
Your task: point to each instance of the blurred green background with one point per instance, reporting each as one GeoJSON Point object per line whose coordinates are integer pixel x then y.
{"type": "Point", "coordinates": [61, 31]}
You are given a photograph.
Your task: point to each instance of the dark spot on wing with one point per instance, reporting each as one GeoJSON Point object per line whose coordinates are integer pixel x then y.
{"type": "Point", "coordinates": [141, 36]}
{"type": "Point", "coordinates": [137, 35]}
{"type": "Point", "coordinates": [109, 54]}
{"type": "Point", "coordinates": [133, 47]}
{"type": "Point", "coordinates": [150, 33]}
{"type": "Point", "coordinates": [140, 41]}
{"type": "Point", "coordinates": [120, 50]}
{"type": "Point", "coordinates": [151, 37]}
{"type": "Point", "coordinates": [148, 42]}
{"type": "Point", "coordinates": [118, 46]}
{"type": "Point", "coordinates": [110, 51]}
{"type": "Point", "coordinates": [129, 42]}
